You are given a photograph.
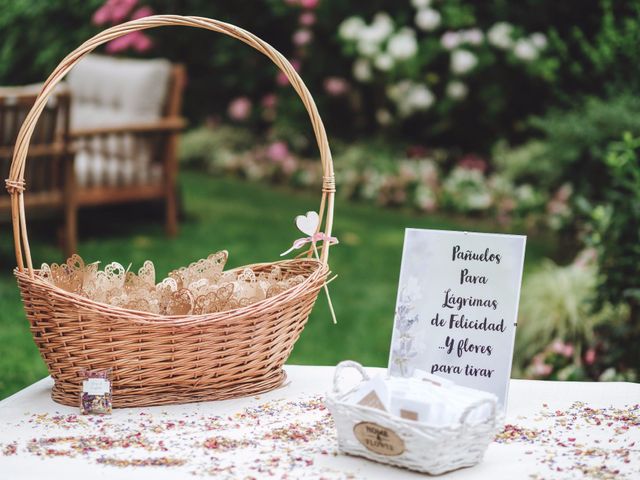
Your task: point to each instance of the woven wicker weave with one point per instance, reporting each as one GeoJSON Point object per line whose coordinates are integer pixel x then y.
{"type": "Point", "coordinates": [418, 446]}
{"type": "Point", "coordinates": [167, 359]}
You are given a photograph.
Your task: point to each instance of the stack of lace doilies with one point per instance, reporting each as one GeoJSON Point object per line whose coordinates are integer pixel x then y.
{"type": "Point", "coordinates": [202, 287]}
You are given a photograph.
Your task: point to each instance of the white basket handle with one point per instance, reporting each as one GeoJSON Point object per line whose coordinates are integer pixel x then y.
{"type": "Point", "coordinates": [340, 367]}
{"type": "Point", "coordinates": [474, 406]}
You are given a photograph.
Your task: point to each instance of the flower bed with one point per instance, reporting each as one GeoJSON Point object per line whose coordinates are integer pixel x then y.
{"type": "Point", "coordinates": [426, 180]}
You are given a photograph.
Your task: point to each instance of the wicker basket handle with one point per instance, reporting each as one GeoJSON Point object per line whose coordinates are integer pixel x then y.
{"type": "Point", "coordinates": [477, 404]}
{"type": "Point", "coordinates": [339, 368]}
{"type": "Point", "coordinates": [15, 182]}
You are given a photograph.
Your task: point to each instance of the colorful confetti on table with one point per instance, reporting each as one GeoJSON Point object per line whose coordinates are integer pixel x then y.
{"type": "Point", "coordinates": [290, 439]}
{"type": "Point", "coordinates": [563, 442]}
{"type": "Point", "coordinates": [278, 439]}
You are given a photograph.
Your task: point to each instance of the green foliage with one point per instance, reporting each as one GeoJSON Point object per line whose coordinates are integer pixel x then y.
{"type": "Point", "coordinates": [556, 302]}
{"type": "Point", "coordinates": [600, 45]}
{"type": "Point", "coordinates": [566, 163]}
{"type": "Point", "coordinates": [37, 35]}
{"type": "Point", "coordinates": [206, 147]}
{"type": "Point", "coordinates": [525, 163]}
{"type": "Point", "coordinates": [617, 227]}
{"type": "Point", "coordinates": [576, 141]}
{"type": "Point", "coordinates": [599, 54]}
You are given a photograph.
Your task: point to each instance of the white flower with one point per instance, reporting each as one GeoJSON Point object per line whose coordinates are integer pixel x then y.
{"type": "Point", "coordinates": [450, 40]}
{"type": "Point", "coordinates": [462, 61]}
{"type": "Point", "coordinates": [479, 200]}
{"type": "Point", "coordinates": [362, 70]}
{"type": "Point", "coordinates": [500, 35]}
{"type": "Point", "coordinates": [384, 117]}
{"type": "Point", "coordinates": [397, 91]}
{"type": "Point", "coordinates": [410, 97]}
{"type": "Point", "coordinates": [426, 198]}
{"type": "Point", "coordinates": [428, 19]}
{"type": "Point", "coordinates": [403, 44]}
{"type": "Point", "coordinates": [383, 62]}
{"type": "Point", "coordinates": [418, 4]}
{"type": "Point", "coordinates": [539, 40]}
{"type": "Point", "coordinates": [525, 50]}
{"type": "Point", "coordinates": [457, 90]}
{"type": "Point", "coordinates": [367, 47]}
{"type": "Point", "coordinates": [473, 36]}
{"type": "Point", "coordinates": [350, 28]}
{"type": "Point", "coordinates": [371, 37]}
{"type": "Point", "coordinates": [381, 27]}
{"type": "Point", "coordinates": [420, 97]}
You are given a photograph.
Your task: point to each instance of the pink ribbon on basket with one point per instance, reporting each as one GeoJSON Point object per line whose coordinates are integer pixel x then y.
{"type": "Point", "coordinates": [309, 225]}
{"type": "Point", "coordinates": [316, 237]}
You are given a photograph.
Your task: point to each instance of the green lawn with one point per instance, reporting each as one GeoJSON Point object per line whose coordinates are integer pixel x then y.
{"type": "Point", "coordinates": [255, 223]}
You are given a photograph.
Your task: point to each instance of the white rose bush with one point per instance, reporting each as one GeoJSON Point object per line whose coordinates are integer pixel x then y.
{"type": "Point", "coordinates": [425, 57]}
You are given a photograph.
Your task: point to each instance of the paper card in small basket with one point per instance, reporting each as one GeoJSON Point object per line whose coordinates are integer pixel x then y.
{"type": "Point", "coordinates": [457, 307]}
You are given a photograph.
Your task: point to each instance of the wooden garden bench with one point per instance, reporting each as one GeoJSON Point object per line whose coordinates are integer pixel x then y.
{"type": "Point", "coordinates": [109, 136]}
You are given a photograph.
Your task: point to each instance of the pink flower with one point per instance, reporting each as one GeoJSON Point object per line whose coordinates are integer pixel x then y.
{"type": "Point", "coordinates": [115, 11]}
{"type": "Point", "coordinates": [590, 356]}
{"type": "Point", "coordinates": [561, 348]}
{"type": "Point", "coordinates": [102, 15]}
{"type": "Point", "coordinates": [568, 350]}
{"type": "Point", "coordinates": [542, 369]}
{"type": "Point", "coordinates": [278, 151]}
{"type": "Point", "coordinates": [239, 109]}
{"type": "Point", "coordinates": [136, 40]}
{"type": "Point", "coordinates": [120, 9]}
{"type": "Point", "coordinates": [539, 368]}
{"type": "Point", "coordinates": [141, 13]}
{"type": "Point", "coordinates": [506, 205]}
{"type": "Point", "coordinates": [270, 100]}
{"type": "Point", "coordinates": [310, 4]}
{"type": "Point", "coordinates": [302, 37]}
{"type": "Point", "coordinates": [281, 78]}
{"type": "Point", "coordinates": [141, 42]}
{"type": "Point", "coordinates": [307, 19]}
{"type": "Point", "coordinates": [473, 162]}
{"type": "Point", "coordinates": [417, 151]}
{"type": "Point", "coordinates": [121, 43]}
{"type": "Point", "coordinates": [289, 165]}
{"type": "Point", "coordinates": [336, 86]}
{"type": "Point", "coordinates": [557, 347]}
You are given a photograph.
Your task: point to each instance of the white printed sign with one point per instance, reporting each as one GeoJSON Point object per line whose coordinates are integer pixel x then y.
{"type": "Point", "coordinates": [457, 307]}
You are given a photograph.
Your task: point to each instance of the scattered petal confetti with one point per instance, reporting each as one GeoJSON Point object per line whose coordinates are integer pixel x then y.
{"type": "Point", "coordinates": [276, 439]}
{"type": "Point", "coordinates": [283, 439]}
{"type": "Point", "coordinates": [10, 449]}
{"type": "Point", "coordinates": [563, 445]}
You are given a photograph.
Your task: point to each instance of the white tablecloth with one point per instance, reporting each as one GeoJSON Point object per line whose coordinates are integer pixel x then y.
{"type": "Point", "coordinates": [287, 431]}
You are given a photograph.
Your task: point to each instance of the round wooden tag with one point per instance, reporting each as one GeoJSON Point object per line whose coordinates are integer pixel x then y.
{"type": "Point", "coordinates": [381, 440]}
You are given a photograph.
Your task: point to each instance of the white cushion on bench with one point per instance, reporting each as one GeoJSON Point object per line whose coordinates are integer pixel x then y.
{"type": "Point", "coordinates": [111, 92]}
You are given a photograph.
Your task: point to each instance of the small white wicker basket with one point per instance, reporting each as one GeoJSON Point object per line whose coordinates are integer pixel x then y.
{"type": "Point", "coordinates": [385, 438]}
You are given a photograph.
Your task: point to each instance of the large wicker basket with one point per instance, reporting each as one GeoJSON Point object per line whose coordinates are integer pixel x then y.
{"type": "Point", "coordinates": [159, 359]}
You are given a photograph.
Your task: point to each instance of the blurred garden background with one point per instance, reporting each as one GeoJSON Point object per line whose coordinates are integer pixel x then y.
{"type": "Point", "coordinates": [502, 116]}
